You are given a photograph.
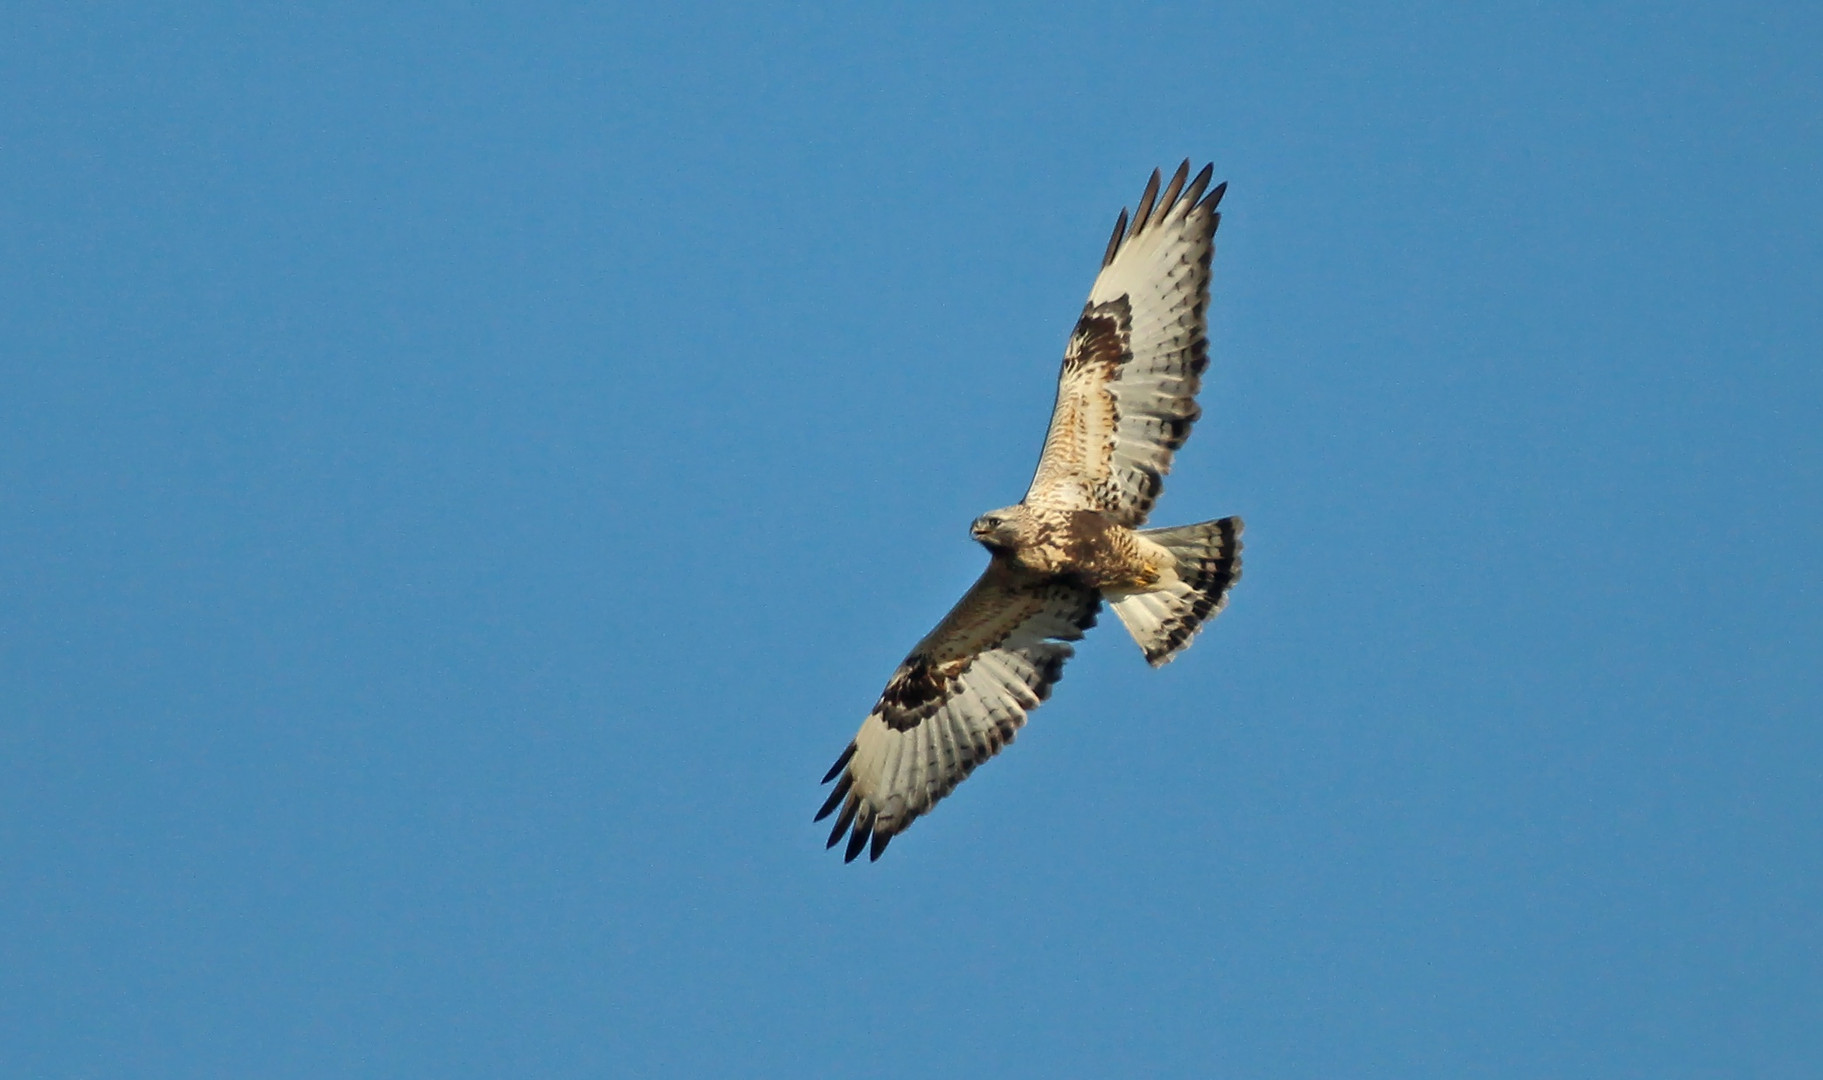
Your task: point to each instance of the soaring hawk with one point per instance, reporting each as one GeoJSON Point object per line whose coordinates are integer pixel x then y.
{"type": "Point", "coordinates": [1126, 399]}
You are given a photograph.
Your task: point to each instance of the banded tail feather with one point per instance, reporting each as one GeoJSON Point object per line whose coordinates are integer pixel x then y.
{"type": "Point", "coordinates": [1164, 620]}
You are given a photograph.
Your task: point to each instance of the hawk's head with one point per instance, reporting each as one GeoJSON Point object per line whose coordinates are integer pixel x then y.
{"type": "Point", "coordinates": [1000, 530]}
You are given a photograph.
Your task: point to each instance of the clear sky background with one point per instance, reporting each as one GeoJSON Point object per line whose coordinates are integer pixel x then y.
{"type": "Point", "coordinates": [466, 470]}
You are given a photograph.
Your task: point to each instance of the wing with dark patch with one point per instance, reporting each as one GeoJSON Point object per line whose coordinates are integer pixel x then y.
{"type": "Point", "coordinates": [954, 702]}
{"type": "Point", "coordinates": [1126, 397]}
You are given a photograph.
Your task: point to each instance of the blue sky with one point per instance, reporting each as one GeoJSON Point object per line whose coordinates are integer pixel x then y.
{"type": "Point", "coordinates": [467, 470]}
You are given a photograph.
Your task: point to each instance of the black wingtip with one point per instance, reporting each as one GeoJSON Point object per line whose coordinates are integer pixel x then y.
{"type": "Point", "coordinates": [1215, 197]}
{"type": "Point", "coordinates": [842, 822]}
{"type": "Point", "coordinates": [841, 762]}
{"type": "Point", "coordinates": [1144, 213]}
{"type": "Point", "coordinates": [1120, 233]}
{"type": "Point", "coordinates": [856, 841]}
{"type": "Point", "coordinates": [836, 796]}
{"type": "Point", "coordinates": [881, 839]}
{"type": "Point", "coordinates": [1194, 194]}
{"type": "Point", "coordinates": [1168, 200]}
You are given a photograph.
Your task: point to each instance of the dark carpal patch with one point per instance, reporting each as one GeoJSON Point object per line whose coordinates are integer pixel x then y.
{"type": "Point", "coordinates": [1102, 339]}
{"type": "Point", "coordinates": [916, 690]}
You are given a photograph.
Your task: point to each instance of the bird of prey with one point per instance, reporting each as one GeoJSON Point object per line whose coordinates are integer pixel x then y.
{"type": "Point", "coordinates": [1126, 399]}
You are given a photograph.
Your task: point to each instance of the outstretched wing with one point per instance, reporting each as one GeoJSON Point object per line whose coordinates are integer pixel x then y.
{"type": "Point", "coordinates": [1127, 394]}
{"type": "Point", "coordinates": [955, 701]}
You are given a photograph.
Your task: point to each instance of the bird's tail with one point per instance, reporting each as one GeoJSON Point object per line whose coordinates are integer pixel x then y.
{"type": "Point", "coordinates": [1165, 618]}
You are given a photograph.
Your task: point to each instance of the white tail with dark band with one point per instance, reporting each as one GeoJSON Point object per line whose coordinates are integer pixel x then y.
{"type": "Point", "coordinates": [1163, 620]}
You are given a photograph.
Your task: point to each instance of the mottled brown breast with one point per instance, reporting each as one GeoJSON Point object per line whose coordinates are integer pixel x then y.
{"type": "Point", "coordinates": [1104, 554]}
